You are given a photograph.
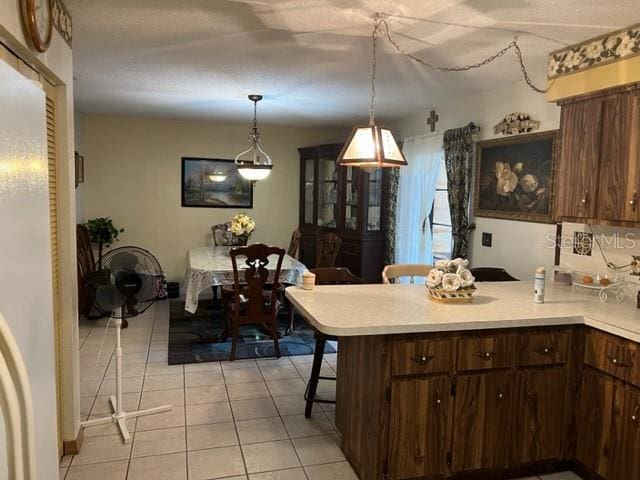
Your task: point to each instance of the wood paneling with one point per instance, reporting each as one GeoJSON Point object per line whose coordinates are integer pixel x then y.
{"type": "Point", "coordinates": [419, 417]}
{"type": "Point", "coordinates": [482, 421]}
{"type": "Point", "coordinates": [578, 165]}
{"type": "Point", "coordinates": [363, 378]}
{"type": "Point", "coordinates": [423, 357]}
{"type": "Point", "coordinates": [633, 168]}
{"type": "Point", "coordinates": [544, 348]}
{"type": "Point", "coordinates": [485, 352]}
{"type": "Point", "coordinates": [540, 415]}
{"type": "Point", "coordinates": [600, 411]}
{"type": "Point", "coordinates": [614, 158]}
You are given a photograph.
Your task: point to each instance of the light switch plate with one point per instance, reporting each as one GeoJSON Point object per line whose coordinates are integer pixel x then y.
{"type": "Point", "coordinates": [487, 239]}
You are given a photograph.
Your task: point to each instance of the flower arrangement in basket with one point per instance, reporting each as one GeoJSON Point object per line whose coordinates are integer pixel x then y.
{"type": "Point", "coordinates": [450, 281]}
{"type": "Point", "coordinates": [242, 226]}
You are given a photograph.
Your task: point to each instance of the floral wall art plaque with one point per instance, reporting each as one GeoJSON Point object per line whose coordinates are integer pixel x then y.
{"type": "Point", "coordinates": [515, 177]}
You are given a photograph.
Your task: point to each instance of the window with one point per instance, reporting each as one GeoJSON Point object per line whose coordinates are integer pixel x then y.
{"type": "Point", "coordinates": [440, 218]}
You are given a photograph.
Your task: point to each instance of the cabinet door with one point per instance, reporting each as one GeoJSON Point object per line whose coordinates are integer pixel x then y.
{"type": "Point", "coordinates": [308, 187]}
{"type": "Point", "coordinates": [327, 193]}
{"type": "Point", "coordinates": [540, 414]}
{"type": "Point", "coordinates": [577, 178]}
{"type": "Point", "coordinates": [482, 421]}
{"type": "Point", "coordinates": [351, 199]}
{"type": "Point", "coordinates": [420, 409]}
{"type": "Point", "coordinates": [600, 411]}
{"type": "Point", "coordinates": [633, 171]}
{"type": "Point", "coordinates": [615, 159]}
{"type": "Point", "coordinates": [627, 463]}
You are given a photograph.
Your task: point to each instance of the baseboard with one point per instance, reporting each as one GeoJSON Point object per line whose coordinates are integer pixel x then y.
{"type": "Point", "coordinates": [72, 447]}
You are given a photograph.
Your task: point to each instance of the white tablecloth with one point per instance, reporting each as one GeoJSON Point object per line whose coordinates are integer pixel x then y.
{"type": "Point", "coordinates": [210, 266]}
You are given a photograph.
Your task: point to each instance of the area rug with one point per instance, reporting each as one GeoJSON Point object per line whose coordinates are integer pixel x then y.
{"type": "Point", "coordinates": [192, 337]}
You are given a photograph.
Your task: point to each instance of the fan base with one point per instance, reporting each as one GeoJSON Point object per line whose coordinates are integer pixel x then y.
{"type": "Point", "coordinates": [120, 418]}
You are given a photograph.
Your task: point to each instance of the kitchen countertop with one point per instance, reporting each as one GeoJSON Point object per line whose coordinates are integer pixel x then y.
{"type": "Point", "coordinates": [377, 309]}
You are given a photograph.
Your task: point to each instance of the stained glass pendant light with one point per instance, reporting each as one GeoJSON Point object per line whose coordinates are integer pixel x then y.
{"type": "Point", "coordinates": [371, 146]}
{"type": "Point", "coordinates": [257, 164]}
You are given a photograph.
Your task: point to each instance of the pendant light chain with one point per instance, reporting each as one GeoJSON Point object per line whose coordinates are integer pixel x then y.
{"type": "Point", "coordinates": [374, 64]}
{"type": "Point", "coordinates": [380, 24]}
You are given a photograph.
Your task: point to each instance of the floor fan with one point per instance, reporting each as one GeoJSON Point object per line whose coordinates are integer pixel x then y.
{"type": "Point", "coordinates": [130, 281]}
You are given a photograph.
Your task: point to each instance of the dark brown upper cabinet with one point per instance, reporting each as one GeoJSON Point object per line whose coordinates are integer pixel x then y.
{"type": "Point", "coordinates": [598, 177]}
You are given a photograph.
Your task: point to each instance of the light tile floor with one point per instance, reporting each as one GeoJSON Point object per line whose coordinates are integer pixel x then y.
{"type": "Point", "coordinates": [240, 420]}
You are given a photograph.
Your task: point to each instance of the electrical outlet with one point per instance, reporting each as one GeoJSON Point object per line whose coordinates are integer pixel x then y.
{"type": "Point", "coordinates": [487, 238]}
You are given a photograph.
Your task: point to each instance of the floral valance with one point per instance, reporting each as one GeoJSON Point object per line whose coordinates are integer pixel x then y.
{"type": "Point", "coordinates": [598, 51]}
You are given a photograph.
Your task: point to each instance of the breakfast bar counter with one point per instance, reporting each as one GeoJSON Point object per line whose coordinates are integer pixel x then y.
{"type": "Point", "coordinates": [377, 309]}
{"type": "Point", "coordinates": [497, 388]}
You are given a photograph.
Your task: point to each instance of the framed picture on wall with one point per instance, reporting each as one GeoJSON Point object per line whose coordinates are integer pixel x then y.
{"type": "Point", "coordinates": [214, 183]}
{"type": "Point", "coordinates": [514, 177]}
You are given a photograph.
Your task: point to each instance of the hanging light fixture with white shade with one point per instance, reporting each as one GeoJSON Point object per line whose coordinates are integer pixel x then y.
{"type": "Point", "coordinates": [258, 165]}
{"type": "Point", "coordinates": [371, 146]}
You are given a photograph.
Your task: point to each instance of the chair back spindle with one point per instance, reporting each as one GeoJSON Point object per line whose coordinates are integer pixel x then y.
{"type": "Point", "coordinates": [294, 244]}
{"type": "Point", "coordinates": [328, 248]}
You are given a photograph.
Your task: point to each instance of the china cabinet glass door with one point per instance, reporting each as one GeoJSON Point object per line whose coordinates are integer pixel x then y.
{"type": "Point", "coordinates": [327, 193]}
{"type": "Point", "coordinates": [309, 180]}
{"type": "Point", "coordinates": [374, 213]}
{"type": "Point", "coordinates": [351, 199]}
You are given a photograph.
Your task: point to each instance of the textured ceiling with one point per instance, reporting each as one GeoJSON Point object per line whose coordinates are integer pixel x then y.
{"type": "Point", "coordinates": [198, 59]}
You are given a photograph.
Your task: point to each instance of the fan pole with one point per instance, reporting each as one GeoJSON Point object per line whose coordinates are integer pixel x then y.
{"type": "Point", "coordinates": [119, 416]}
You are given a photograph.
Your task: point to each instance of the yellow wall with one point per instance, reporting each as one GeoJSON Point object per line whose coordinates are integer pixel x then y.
{"type": "Point", "coordinates": [133, 170]}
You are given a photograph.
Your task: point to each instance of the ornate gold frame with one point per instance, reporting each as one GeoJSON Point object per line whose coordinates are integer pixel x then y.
{"type": "Point", "coordinates": [515, 140]}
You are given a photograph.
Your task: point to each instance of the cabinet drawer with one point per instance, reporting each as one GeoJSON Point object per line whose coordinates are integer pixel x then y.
{"type": "Point", "coordinates": [612, 355]}
{"type": "Point", "coordinates": [423, 357]}
{"type": "Point", "coordinates": [542, 348]}
{"type": "Point", "coordinates": [486, 352]}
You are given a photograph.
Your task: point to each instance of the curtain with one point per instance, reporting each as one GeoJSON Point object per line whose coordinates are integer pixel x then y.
{"type": "Point", "coordinates": [416, 191]}
{"type": "Point", "coordinates": [458, 148]}
{"type": "Point", "coordinates": [391, 178]}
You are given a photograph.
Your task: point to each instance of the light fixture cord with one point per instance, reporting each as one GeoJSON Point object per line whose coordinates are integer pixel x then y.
{"type": "Point", "coordinates": [374, 40]}
{"type": "Point", "coordinates": [381, 24]}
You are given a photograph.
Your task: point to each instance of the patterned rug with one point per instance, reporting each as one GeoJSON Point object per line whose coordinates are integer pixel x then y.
{"type": "Point", "coordinates": [192, 337]}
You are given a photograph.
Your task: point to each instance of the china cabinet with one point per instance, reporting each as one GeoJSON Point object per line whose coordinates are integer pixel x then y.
{"type": "Point", "coordinates": [346, 201]}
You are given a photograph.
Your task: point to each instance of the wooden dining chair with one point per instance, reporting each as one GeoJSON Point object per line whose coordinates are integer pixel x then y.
{"type": "Point", "coordinates": [254, 302]}
{"type": "Point", "coordinates": [294, 243]}
{"type": "Point", "coordinates": [492, 274]}
{"type": "Point", "coordinates": [327, 250]}
{"type": "Point", "coordinates": [392, 273]}
{"type": "Point", "coordinates": [324, 276]}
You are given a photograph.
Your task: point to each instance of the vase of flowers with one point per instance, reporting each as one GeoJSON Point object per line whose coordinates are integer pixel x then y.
{"type": "Point", "coordinates": [450, 281]}
{"type": "Point", "coordinates": [242, 226]}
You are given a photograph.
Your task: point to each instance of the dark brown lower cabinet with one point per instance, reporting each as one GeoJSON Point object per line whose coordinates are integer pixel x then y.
{"type": "Point", "coordinates": [609, 431]}
{"type": "Point", "coordinates": [467, 405]}
{"type": "Point", "coordinates": [540, 415]}
{"type": "Point", "coordinates": [627, 464]}
{"type": "Point", "coordinates": [420, 412]}
{"type": "Point", "coordinates": [482, 421]}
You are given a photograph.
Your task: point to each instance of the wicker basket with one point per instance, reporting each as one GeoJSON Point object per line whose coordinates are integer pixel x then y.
{"type": "Point", "coordinates": [464, 295]}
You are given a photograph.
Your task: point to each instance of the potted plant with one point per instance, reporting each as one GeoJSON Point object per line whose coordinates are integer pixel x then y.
{"type": "Point", "coordinates": [450, 281]}
{"type": "Point", "coordinates": [104, 233]}
{"type": "Point", "coordinates": [242, 226]}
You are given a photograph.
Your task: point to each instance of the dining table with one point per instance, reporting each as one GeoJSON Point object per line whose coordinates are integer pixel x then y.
{"type": "Point", "coordinates": [211, 266]}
